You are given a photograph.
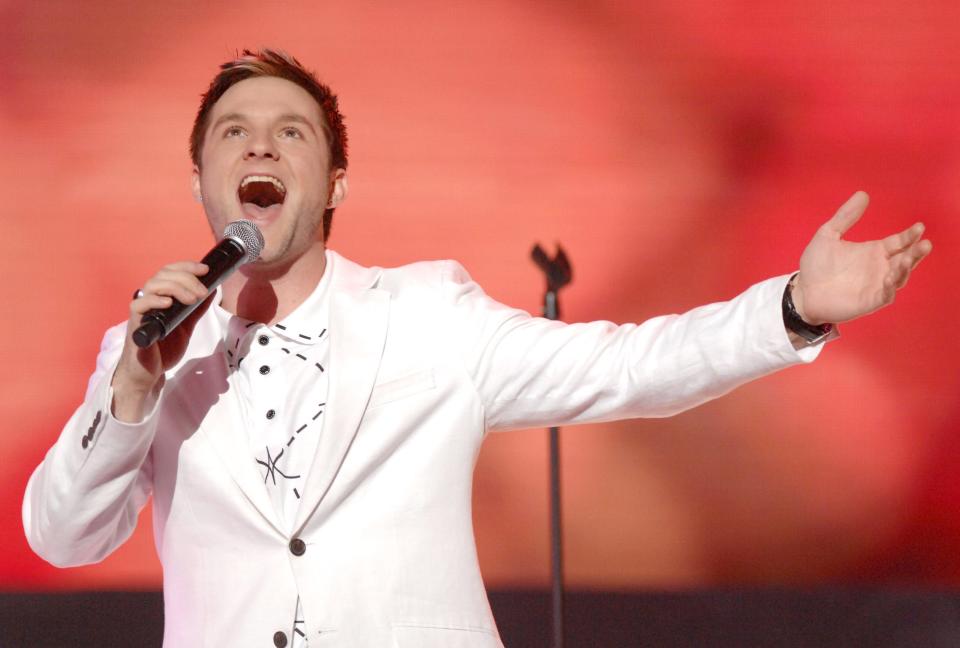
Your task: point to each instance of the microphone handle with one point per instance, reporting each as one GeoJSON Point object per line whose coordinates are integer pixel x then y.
{"type": "Point", "coordinates": [222, 260]}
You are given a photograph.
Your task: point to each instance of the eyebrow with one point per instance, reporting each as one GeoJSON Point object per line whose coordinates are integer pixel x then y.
{"type": "Point", "coordinates": [286, 117]}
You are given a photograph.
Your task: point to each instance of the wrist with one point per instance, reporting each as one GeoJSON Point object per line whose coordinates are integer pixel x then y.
{"type": "Point", "coordinates": [796, 294]}
{"type": "Point", "coordinates": [131, 399]}
{"type": "Point", "coordinates": [794, 319]}
{"type": "Point", "coordinates": [131, 387]}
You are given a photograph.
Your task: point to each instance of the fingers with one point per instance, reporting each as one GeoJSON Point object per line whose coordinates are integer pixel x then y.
{"type": "Point", "coordinates": [176, 281]}
{"type": "Point", "coordinates": [889, 288]}
{"type": "Point", "coordinates": [848, 214]}
{"type": "Point", "coordinates": [921, 250]}
{"type": "Point", "coordinates": [905, 263]}
{"type": "Point", "coordinates": [149, 301]}
{"type": "Point", "coordinates": [896, 243]}
{"type": "Point", "coordinates": [181, 288]}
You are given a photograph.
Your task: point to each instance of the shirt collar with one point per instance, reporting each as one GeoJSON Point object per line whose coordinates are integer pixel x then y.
{"type": "Point", "coordinates": [306, 325]}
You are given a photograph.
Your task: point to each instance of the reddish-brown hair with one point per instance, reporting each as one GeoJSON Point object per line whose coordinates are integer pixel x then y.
{"type": "Point", "coordinates": [275, 63]}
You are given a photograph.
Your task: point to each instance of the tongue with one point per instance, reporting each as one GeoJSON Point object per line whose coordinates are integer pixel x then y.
{"type": "Point", "coordinates": [256, 212]}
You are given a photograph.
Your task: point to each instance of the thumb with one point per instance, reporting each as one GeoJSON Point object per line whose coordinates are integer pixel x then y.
{"type": "Point", "coordinates": [848, 214]}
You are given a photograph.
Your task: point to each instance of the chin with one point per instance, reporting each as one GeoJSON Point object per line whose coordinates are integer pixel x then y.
{"type": "Point", "coordinates": [267, 259]}
{"type": "Point", "coordinates": [271, 257]}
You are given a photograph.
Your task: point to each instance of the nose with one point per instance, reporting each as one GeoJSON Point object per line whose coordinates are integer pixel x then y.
{"type": "Point", "coordinates": [261, 146]}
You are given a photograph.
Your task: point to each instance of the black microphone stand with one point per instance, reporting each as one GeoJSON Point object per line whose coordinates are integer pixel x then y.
{"type": "Point", "coordinates": [558, 274]}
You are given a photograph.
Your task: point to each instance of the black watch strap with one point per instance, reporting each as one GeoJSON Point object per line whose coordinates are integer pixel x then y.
{"type": "Point", "coordinates": [792, 320]}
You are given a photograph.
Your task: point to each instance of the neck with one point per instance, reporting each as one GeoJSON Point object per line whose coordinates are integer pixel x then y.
{"type": "Point", "coordinates": [268, 293]}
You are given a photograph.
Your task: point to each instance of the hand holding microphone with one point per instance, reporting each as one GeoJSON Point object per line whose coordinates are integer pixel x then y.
{"type": "Point", "coordinates": [177, 291]}
{"type": "Point", "coordinates": [241, 243]}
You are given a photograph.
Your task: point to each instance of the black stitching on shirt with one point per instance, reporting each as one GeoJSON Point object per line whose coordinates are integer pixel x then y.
{"type": "Point", "coordinates": [272, 471]}
{"type": "Point", "coordinates": [302, 357]}
{"type": "Point", "coordinates": [281, 327]}
{"type": "Point", "coordinates": [305, 337]}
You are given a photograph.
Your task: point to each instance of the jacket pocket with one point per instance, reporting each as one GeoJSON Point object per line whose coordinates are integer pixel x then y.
{"type": "Point", "coordinates": [415, 636]}
{"type": "Point", "coordinates": [402, 387]}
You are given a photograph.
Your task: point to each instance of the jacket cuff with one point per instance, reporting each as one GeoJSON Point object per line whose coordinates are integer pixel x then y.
{"type": "Point", "coordinates": [793, 347]}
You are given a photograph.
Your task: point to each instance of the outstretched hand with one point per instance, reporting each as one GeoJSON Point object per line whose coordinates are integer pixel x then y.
{"type": "Point", "coordinates": [841, 280]}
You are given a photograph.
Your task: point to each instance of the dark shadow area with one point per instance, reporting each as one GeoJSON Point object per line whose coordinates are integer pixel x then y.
{"type": "Point", "coordinates": [716, 618]}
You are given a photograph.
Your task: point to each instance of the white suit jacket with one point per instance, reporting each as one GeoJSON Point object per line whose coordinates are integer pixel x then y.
{"type": "Point", "coordinates": [426, 364]}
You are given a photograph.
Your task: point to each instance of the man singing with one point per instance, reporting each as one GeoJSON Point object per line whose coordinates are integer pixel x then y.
{"type": "Point", "coordinates": [309, 433]}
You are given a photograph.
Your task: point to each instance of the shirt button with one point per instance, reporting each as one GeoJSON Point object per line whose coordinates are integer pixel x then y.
{"type": "Point", "coordinates": [263, 340]}
{"type": "Point", "coordinates": [271, 413]}
{"type": "Point", "coordinates": [298, 547]}
{"type": "Point", "coordinates": [264, 370]}
{"type": "Point", "coordinates": [279, 639]}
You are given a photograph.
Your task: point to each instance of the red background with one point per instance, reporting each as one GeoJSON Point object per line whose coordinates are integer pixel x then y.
{"type": "Point", "coordinates": [679, 150]}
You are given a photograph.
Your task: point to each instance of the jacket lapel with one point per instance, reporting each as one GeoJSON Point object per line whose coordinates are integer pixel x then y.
{"type": "Point", "coordinates": [223, 422]}
{"type": "Point", "coordinates": [358, 325]}
{"type": "Point", "coordinates": [225, 430]}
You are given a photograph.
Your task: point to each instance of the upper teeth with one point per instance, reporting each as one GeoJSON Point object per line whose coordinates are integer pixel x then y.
{"type": "Point", "coordinates": [262, 178]}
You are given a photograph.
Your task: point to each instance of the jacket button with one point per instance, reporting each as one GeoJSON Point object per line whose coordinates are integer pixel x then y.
{"type": "Point", "coordinates": [271, 413]}
{"type": "Point", "coordinates": [263, 340]}
{"type": "Point", "coordinates": [298, 547]}
{"type": "Point", "coordinates": [264, 370]}
{"type": "Point", "coordinates": [279, 639]}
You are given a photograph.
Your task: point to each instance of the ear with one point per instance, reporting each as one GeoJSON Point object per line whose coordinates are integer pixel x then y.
{"type": "Point", "coordinates": [338, 187]}
{"type": "Point", "coordinates": [195, 185]}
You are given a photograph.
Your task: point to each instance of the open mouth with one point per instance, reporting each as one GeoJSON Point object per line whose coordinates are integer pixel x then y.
{"type": "Point", "coordinates": [262, 190]}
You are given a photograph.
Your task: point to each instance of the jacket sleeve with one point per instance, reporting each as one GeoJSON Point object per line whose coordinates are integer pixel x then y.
{"type": "Point", "coordinates": [82, 501]}
{"type": "Point", "coordinates": [532, 372]}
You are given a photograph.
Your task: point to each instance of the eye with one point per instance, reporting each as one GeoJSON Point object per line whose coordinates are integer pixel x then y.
{"type": "Point", "coordinates": [233, 131]}
{"type": "Point", "coordinates": [291, 132]}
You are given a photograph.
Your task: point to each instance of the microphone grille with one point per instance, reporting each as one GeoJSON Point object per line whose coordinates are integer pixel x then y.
{"type": "Point", "coordinates": [248, 235]}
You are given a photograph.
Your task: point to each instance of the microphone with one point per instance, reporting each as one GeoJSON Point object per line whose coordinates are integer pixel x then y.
{"type": "Point", "coordinates": [242, 243]}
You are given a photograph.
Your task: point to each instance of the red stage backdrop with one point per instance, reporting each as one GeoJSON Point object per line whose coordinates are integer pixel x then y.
{"type": "Point", "coordinates": [679, 150]}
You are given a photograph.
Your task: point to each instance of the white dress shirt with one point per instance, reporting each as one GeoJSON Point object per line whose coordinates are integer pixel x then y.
{"type": "Point", "coordinates": [283, 380]}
